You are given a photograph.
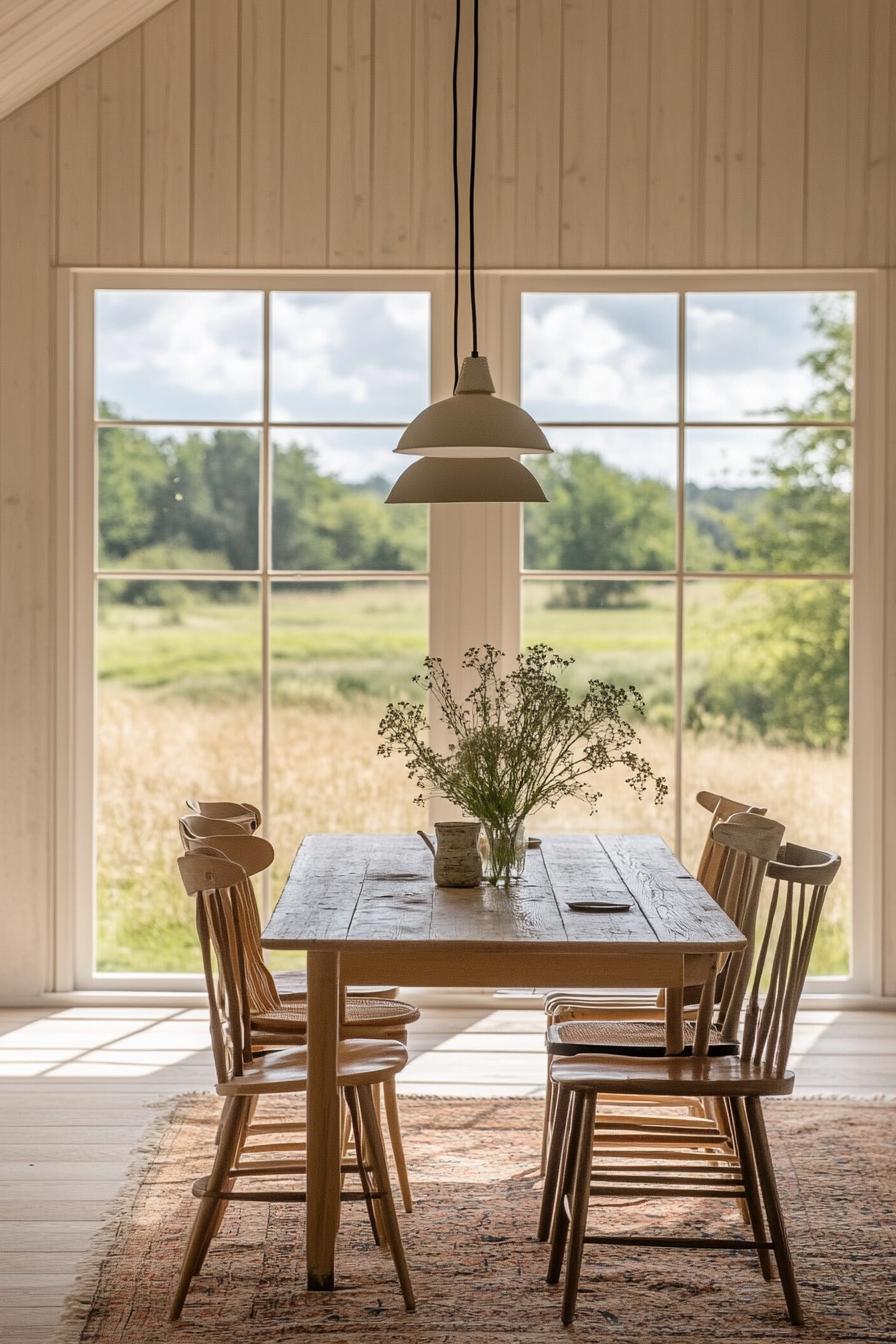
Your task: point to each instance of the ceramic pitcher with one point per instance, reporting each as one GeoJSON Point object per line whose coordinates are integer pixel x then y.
{"type": "Point", "coordinates": [456, 858]}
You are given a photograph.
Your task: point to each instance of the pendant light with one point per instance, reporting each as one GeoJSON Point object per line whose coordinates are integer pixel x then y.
{"type": "Point", "coordinates": [464, 442]}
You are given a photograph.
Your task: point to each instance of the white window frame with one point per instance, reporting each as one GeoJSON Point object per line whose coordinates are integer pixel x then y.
{"type": "Point", "coordinates": [76, 936]}
{"type": "Point", "coordinates": [475, 558]}
{"type": "Point", "coordinates": [867, 625]}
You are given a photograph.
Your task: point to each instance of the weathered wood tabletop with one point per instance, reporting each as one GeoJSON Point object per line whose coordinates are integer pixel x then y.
{"type": "Point", "coordinates": [359, 892]}
{"type": "Point", "coordinates": [365, 908]}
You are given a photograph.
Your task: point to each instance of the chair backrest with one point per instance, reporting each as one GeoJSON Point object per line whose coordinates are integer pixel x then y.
{"type": "Point", "coordinates": [214, 880]}
{"type": "Point", "coordinates": [747, 842]}
{"type": "Point", "coordinates": [224, 810]}
{"type": "Point", "coordinates": [196, 827]}
{"type": "Point", "coordinates": [253, 855]}
{"type": "Point", "coordinates": [709, 867]}
{"type": "Point", "coordinates": [801, 878]}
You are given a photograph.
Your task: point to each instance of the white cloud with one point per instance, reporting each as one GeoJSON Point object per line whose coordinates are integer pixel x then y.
{"type": "Point", "coordinates": [175, 353]}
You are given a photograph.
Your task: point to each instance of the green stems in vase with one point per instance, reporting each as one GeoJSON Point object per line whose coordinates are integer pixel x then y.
{"type": "Point", "coordinates": [502, 845]}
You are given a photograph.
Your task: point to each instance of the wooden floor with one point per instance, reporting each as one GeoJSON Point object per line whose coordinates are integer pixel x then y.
{"type": "Point", "coordinates": [76, 1086]}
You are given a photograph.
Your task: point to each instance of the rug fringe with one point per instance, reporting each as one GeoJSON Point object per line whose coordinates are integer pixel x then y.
{"type": "Point", "coordinates": [82, 1293]}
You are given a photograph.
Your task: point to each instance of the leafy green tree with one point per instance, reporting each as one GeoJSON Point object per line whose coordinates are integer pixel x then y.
{"type": "Point", "coordinates": [133, 476]}
{"type": "Point", "coordinates": [599, 518]}
{"type": "Point", "coordinates": [320, 522]}
{"type": "Point", "coordinates": [803, 523]}
{"type": "Point", "coordinates": [785, 673]}
{"type": "Point", "coordinates": [603, 518]}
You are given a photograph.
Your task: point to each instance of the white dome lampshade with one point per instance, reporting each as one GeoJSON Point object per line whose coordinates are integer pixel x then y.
{"type": "Point", "coordinates": [478, 480]}
{"type": "Point", "coordinates": [473, 422]}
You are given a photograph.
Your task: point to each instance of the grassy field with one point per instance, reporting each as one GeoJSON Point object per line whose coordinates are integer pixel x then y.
{"type": "Point", "coordinates": [179, 712]}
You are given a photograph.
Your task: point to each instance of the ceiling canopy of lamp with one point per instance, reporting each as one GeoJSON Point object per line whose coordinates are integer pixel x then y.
{"type": "Point", "coordinates": [483, 480]}
{"type": "Point", "coordinates": [466, 440]}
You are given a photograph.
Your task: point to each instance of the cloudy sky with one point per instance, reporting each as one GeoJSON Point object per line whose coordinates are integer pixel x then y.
{"type": "Point", "coordinates": [356, 357]}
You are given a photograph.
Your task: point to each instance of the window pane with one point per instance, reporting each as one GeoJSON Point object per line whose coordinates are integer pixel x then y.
{"type": "Point", "coordinates": [624, 633]}
{"type": "Point", "coordinates": [178, 714]}
{"type": "Point", "coordinates": [776, 356]}
{"type": "Point", "coordinates": [600, 356]}
{"type": "Point", "coordinates": [178, 354]}
{"type": "Point", "coordinates": [611, 499]}
{"type": "Point", "coordinates": [339, 653]}
{"type": "Point", "coordinates": [767, 721]}
{"type": "Point", "coordinates": [328, 510]}
{"type": "Point", "coordinates": [347, 356]}
{"type": "Point", "coordinates": [177, 498]}
{"type": "Point", "coordinates": [760, 499]}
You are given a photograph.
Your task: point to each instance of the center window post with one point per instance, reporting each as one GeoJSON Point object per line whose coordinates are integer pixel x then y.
{"type": "Point", "coordinates": [474, 548]}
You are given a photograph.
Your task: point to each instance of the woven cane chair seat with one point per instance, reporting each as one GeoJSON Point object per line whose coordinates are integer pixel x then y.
{"type": "Point", "coordinates": [372, 1014]}
{"type": "Point", "coordinates": [626, 1038]}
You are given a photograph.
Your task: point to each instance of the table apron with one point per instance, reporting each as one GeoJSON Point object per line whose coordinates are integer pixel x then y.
{"type": "Point", "coordinates": [464, 968]}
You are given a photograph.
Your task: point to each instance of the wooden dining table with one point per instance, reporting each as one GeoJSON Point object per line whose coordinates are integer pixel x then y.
{"type": "Point", "coordinates": [365, 908]}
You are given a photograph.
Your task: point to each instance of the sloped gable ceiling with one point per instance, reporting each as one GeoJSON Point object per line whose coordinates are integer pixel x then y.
{"type": "Point", "coordinates": [41, 41]}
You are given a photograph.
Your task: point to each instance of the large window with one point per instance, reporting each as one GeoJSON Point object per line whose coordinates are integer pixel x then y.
{"type": "Point", "coordinates": [239, 605]}
{"type": "Point", "coordinates": [256, 605]}
{"type": "Point", "coordinates": [697, 544]}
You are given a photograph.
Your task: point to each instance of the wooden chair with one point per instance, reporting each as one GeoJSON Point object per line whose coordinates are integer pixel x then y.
{"type": "Point", "coordinates": [746, 842]}
{"type": "Point", "coordinates": [275, 1021]}
{"type": "Point", "coordinates": [564, 1005]}
{"type": "Point", "coordinates": [200, 826]}
{"type": "Point", "coordinates": [218, 885]}
{"type": "Point", "coordinates": [801, 878]}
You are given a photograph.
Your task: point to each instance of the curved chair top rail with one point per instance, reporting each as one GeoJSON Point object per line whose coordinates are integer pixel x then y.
{"type": "Point", "coordinates": [206, 869]}
{"type": "Point", "coordinates": [797, 863]}
{"type": "Point", "coordinates": [197, 827]}
{"type": "Point", "coordinates": [251, 852]}
{"type": "Point", "coordinates": [723, 807]}
{"type": "Point", "coordinates": [225, 810]}
{"type": "Point", "coordinates": [750, 833]}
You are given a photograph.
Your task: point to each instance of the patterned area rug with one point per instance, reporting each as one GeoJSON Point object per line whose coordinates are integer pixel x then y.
{"type": "Point", "coordinates": [478, 1271]}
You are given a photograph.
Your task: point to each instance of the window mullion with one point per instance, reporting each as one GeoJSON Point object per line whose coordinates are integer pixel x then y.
{"type": "Point", "coordinates": [678, 766]}
{"type": "Point", "coordinates": [265, 558]}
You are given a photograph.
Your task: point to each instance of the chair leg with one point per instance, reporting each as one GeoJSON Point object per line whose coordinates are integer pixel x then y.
{"type": "Point", "coordinates": [581, 1195]}
{"type": "Point", "coordinates": [232, 1125]}
{"type": "Point", "coordinates": [783, 1258]}
{"type": "Point", "coordinates": [753, 1199]}
{"type": "Point", "coordinates": [221, 1204]}
{"type": "Point", "coordinates": [724, 1124]}
{"type": "Point", "coordinates": [393, 1121]}
{"type": "Point", "coordinates": [351, 1105]}
{"type": "Point", "coordinates": [370, 1118]}
{"type": "Point", "coordinates": [546, 1122]}
{"type": "Point", "coordinates": [553, 1164]}
{"type": "Point", "coordinates": [560, 1225]}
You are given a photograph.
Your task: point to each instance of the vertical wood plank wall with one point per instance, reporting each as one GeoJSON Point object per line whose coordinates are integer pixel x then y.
{"type": "Point", "coordinates": [615, 133]}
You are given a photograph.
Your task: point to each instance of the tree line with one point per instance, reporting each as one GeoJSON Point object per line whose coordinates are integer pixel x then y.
{"type": "Point", "coordinates": [191, 502]}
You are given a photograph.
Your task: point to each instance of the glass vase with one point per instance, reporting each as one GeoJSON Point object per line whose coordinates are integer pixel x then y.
{"type": "Point", "coordinates": [502, 845]}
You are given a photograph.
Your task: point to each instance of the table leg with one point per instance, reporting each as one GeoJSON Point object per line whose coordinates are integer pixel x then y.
{"type": "Point", "coordinates": [706, 1009]}
{"type": "Point", "coordinates": [674, 1010]}
{"type": "Point", "coordinates": [323, 1118]}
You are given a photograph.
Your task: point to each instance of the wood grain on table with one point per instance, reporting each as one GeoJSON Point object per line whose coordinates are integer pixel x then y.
{"type": "Point", "coordinates": [357, 890]}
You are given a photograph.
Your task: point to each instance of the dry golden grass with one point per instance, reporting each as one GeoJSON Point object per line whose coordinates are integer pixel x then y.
{"type": "Point", "coordinates": [326, 776]}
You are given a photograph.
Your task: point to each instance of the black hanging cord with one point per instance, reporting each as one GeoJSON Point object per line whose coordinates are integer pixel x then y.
{"type": "Point", "coordinates": [456, 182]}
{"type": "Point", "coordinates": [473, 112]}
